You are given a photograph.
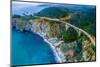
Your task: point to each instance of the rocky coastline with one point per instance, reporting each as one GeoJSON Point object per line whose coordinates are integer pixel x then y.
{"type": "Point", "coordinates": [59, 56]}
{"type": "Point", "coordinates": [71, 51]}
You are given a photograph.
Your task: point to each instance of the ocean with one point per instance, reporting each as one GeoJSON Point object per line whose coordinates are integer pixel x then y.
{"type": "Point", "coordinates": [30, 48]}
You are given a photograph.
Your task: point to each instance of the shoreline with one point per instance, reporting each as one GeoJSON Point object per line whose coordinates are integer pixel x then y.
{"type": "Point", "coordinates": [58, 54]}
{"type": "Point", "coordinates": [59, 57]}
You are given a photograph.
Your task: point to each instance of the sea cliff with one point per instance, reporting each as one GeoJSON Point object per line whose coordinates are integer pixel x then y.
{"type": "Point", "coordinates": [68, 47]}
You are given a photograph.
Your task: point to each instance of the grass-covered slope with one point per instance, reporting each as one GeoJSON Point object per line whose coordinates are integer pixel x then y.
{"type": "Point", "coordinates": [54, 12]}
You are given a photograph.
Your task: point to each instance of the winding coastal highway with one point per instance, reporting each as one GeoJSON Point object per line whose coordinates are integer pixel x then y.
{"type": "Point", "coordinates": [70, 25]}
{"type": "Point", "coordinates": [60, 58]}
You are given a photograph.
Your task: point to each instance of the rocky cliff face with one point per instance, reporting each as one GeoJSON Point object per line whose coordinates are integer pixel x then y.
{"type": "Point", "coordinates": [74, 50]}
{"type": "Point", "coordinates": [51, 29]}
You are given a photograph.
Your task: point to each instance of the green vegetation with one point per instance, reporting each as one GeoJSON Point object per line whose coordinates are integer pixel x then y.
{"type": "Point", "coordinates": [54, 12]}
{"type": "Point", "coordinates": [70, 35]}
{"type": "Point", "coordinates": [72, 42]}
{"type": "Point", "coordinates": [85, 20]}
{"type": "Point", "coordinates": [90, 49]}
{"type": "Point", "coordinates": [88, 23]}
{"type": "Point", "coordinates": [16, 16]}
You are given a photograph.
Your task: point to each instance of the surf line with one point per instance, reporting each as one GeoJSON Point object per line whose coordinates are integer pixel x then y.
{"type": "Point", "coordinates": [59, 56]}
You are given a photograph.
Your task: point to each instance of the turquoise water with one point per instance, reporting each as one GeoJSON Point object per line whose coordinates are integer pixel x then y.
{"type": "Point", "coordinates": [29, 48]}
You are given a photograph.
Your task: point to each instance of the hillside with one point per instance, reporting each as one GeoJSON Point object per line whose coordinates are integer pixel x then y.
{"type": "Point", "coordinates": [75, 47]}
{"type": "Point", "coordinates": [53, 12]}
